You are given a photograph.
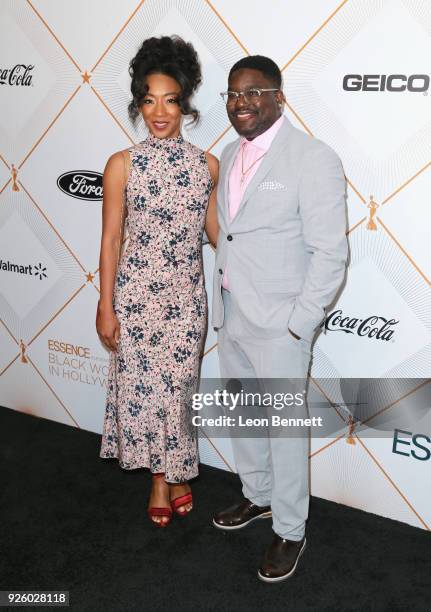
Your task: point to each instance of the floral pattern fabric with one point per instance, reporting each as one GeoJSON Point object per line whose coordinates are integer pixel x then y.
{"type": "Point", "coordinates": [161, 304]}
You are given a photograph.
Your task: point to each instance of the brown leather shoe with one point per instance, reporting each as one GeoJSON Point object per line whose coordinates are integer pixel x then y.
{"type": "Point", "coordinates": [240, 514]}
{"type": "Point", "coordinates": [281, 559]}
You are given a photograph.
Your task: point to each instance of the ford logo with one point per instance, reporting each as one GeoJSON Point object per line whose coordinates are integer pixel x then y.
{"type": "Point", "coordinates": [81, 184]}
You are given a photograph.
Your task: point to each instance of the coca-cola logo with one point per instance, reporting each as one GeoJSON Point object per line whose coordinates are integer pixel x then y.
{"type": "Point", "coordinates": [375, 326]}
{"type": "Point", "coordinates": [82, 184]}
{"type": "Point", "coordinates": [20, 74]}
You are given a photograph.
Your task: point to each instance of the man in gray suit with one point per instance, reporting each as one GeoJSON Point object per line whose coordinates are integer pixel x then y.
{"type": "Point", "coordinates": [280, 260]}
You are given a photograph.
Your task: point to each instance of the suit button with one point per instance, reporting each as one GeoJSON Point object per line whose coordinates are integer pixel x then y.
{"type": "Point", "coordinates": [220, 271]}
{"type": "Point", "coordinates": [229, 237]}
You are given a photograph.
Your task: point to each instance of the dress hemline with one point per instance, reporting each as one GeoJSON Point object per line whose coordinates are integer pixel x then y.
{"type": "Point", "coordinates": [144, 467]}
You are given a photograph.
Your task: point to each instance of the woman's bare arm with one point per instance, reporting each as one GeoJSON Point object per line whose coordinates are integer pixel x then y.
{"type": "Point", "coordinates": [114, 180]}
{"type": "Point", "coordinates": [211, 222]}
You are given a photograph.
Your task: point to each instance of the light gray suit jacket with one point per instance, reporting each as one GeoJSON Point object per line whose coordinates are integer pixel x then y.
{"type": "Point", "coordinates": [286, 248]}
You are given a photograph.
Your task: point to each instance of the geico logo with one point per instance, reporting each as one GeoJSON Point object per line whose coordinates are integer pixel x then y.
{"type": "Point", "coordinates": [371, 327]}
{"type": "Point", "coordinates": [386, 82]}
{"type": "Point", "coordinates": [421, 444]}
{"type": "Point", "coordinates": [18, 75]}
{"type": "Point", "coordinates": [81, 184]}
{"type": "Point", "coordinates": [70, 349]}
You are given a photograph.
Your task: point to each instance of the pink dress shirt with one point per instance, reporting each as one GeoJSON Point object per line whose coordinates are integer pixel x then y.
{"type": "Point", "coordinates": [248, 152]}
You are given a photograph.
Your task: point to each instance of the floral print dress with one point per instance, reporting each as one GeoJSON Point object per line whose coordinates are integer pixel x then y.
{"type": "Point", "coordinates": [161, 304]}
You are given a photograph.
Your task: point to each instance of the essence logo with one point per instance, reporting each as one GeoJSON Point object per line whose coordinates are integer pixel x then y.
{"type": "Point", "coordinates": [371, 327]}
{"type": "Point", "coordinates": [18, 75]}
{"type": "Point", "coordinates": [38, 270]}
{"type": "Point", "coordinates": [81, 184]}
{"type": "Point", "coordinates": [386, 82]}
{"type": "Point", "coordinates": [68, 348]}
{"type": "Point", "coordinates": [417, 446]}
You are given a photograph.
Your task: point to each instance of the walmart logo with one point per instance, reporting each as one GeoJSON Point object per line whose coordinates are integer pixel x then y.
{"type": "Point", "coordinates": [38, 270]}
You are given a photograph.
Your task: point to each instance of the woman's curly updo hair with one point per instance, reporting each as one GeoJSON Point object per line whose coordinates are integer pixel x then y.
{"type": "Point", "coordinates": [173, 57]}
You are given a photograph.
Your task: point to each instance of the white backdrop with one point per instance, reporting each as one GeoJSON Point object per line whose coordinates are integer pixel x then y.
{"type": "Point", "coordinates": [64, 93]}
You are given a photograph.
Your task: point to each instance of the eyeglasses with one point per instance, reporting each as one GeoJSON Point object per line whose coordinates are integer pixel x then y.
{"type": "Point", "coordinates": [250, 95]}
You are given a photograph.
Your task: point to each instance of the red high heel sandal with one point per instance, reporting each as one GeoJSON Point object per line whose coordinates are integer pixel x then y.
{"type": "Point", "coordinates": [181, 501]}
{"type": "Point", "coordinates": [160, 512]}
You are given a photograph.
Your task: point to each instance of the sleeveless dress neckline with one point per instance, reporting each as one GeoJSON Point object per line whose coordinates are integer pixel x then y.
{"type": "Point", "coordinates": [153, 140]}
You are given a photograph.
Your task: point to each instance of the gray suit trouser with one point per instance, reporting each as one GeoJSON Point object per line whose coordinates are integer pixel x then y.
{"type": "Point", "coordinates": [273, 468]}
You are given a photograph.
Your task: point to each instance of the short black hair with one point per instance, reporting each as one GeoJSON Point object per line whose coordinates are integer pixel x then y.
{"type": "Point", "coordinates": [259, 62]}
{"type": "Point", "coordinates": [173, 57]}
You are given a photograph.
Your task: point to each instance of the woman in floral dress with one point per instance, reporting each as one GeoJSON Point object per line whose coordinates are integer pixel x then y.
{"type": "Point", "coordinates": [152, 311]}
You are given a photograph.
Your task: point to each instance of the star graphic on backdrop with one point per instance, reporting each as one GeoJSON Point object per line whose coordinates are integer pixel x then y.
{"type": "Point", "coordinates": [86, 77]}
{"type": "Point", "coordinates": [90, 277]}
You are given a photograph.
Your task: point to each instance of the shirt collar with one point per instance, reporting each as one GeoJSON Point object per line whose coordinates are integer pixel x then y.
{"type": "Point", "coordinates": [263, 141]}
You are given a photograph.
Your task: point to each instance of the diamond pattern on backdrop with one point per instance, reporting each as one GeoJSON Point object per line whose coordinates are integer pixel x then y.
{"type": "Point", "coordinates": [217, 49]}
{"type": "Point", "coordinates": [379, 146]}
{"type": "Point", "coordinates": [377, 268]}
{"type": "Point", "coordinates": [69, 372]}
{"type": "Point", "coordinates": [415, 498]}
{"type": "Point", "coordinates": [78, 94]}
{"type": "Point", "coordinates": [10, 349]}
{"type": "Point", "coordinates": [37, 271]}
{"type": "Point", "coordinates": [405, 218]}
{"type": "Point", "coordinates": [5, 173]}
{"type": "Point", "coordinates": [49, 82]}
{"type": "Point", "coordinates": [36, 397]}
{"type": "Point", "coordinates": [86, 136]}
{"type": "Point", "coordinates": [96, 23]}
{"type": "Point", "coordinates": [291, 26]}
{"type": "Point", "coordinates": [352, 476]}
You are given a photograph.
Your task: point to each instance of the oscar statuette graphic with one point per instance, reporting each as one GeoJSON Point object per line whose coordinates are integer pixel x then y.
{"type": "Point", "coordinates": [23, 349]}
{"type": "Point", "coordinates": [14, 173]}
{"type": "Point", "coordinates": [350, 439]}
{"type": "Point", "coordinates": [373, 206]}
